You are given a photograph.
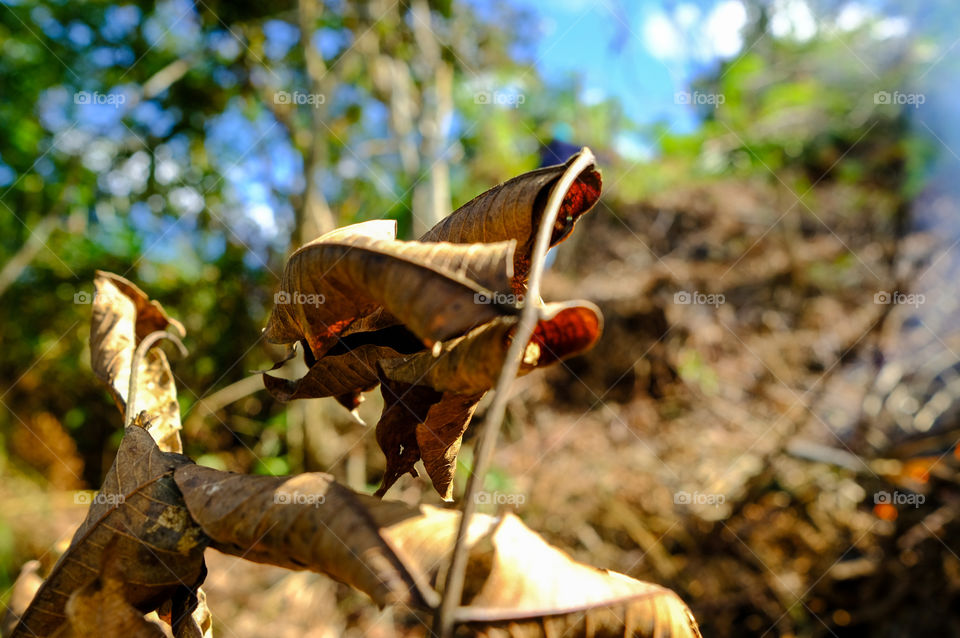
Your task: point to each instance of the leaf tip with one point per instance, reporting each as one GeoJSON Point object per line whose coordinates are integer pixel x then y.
{"type": "Point", "coordinates": [355, 413]}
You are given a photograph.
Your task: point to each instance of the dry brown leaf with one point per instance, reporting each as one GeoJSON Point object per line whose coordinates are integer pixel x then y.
{"type": "Point", "coordinates": [513, 210]}
{"type": "Point", "coordinates": [150, 315]}
{"type": "Point", "coordinates": [439, 438]}
{"type": "Point", "coordinates": [112, 348]}
{"type": "Point", "coordinates": [137, 523]}
{"type": "Point", "coordinates": [350, 373]}
{"type": "Point", "coordinates": [405, 406]}
{"type": "Point", "coordinates": [122, 316]}
{"type": "Point", "coordinates": [419, 422]}
{"type": "Point", "coordinates": [187, 614]}
{"type": "Point", "coordinates": [353, 272]}
{"type": "Point", "coordinates": [307, 521]}
{"type": "Point", "coordinates": [516, 582]}
{"type": "Point", "coordinates": [530, 579]}
{"type": "Point", "coordinates": [200, 623]}
{"type": "Point", "coordinates": [100, 609]}
{"type": "Point", "coordinates": [472, 363]}
{"type": "Point", "coordinates": [519, 585]}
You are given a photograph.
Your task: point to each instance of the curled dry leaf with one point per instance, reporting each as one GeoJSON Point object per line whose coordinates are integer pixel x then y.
{"type": "Point", "coordinates": [199, 622]}
{"type": "Point", "coordinates": [307, 521]}
{"type": "Point", "coordinates": [513, 210]}
{"type": "Point", "coordinates": [365, 306]}
{"type": "Point", "coordinates": [356, 295]}
{"type": "Point", "coordinates": [137, 530]}
{"type": "Point", "coordinates": [335, 375]}
{"type": "Point", "coordinates": [528, 580]}
{"type": "Point", "coordinates": [405, 407]}
{"type": "Point", "coordinates": [122, 316]}
{"type": "Point", "coordinates": [187, 613]}
{"type": "Point", "coordinates": [350, 273]}
{"type": "Point", "coordinates": [517, 584]}
{"type": "Point", "coordinates": [430, 397]}
{"type": "Point", "coordinates": [419, 422]}
{"type": "Point", "coordinates": [471, 363]}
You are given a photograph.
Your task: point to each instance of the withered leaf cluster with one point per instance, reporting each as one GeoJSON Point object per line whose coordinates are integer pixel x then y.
{"type": "Point", "coordinates": [430, 320]}
{"type": "Point", "coordinates": [138, 549]}
{"type": "Point", "coordinates": [401, 314]}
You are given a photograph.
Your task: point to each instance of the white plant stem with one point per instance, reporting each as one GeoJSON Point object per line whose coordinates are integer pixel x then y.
{"type": "Point", "coordinates": [453, 588]}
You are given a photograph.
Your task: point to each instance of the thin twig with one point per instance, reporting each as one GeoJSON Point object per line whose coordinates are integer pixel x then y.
{"type": "Point", "coordinates": [138, 356]}
{"type": "Point", "coordinates": [209, 405]}
{"type": "Point", "coordinates": [315, 207]}
{"type": "Point", "coordinates": [453, 588]}
{"type": "Point", "coordinates": [19, 262]}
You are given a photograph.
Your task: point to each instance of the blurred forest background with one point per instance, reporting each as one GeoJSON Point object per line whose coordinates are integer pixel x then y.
{"type": "Point", "coordinates": [768, 425]}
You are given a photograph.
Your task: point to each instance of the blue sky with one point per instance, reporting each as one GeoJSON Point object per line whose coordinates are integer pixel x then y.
{"type": "Point", "coordinates": [636, 51]}
{"type": "Point", "coordinates": [645, 51]}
